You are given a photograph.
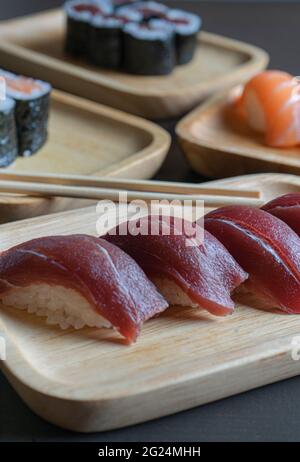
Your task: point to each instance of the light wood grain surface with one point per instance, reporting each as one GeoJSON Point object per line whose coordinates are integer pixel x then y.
{"type": "Point", "coordinates": [34, 45]}
{"type": "Point", "coordinates": [217, 144]}
{"type": "Point", "coordinates": [90, 380]}
{"type": "Point", "coordinates": [90, 139]}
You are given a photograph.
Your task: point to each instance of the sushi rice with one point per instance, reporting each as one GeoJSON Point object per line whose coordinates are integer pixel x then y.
{"type": "Point", "coordinates": [173, 293]}
{"type": "Point", "coordinates": [61, 306]}
{"type": "Point", "coordinates": [8, 133]}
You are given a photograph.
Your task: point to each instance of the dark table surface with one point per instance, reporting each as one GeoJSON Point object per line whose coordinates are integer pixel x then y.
{"type": "Point", "coordinates": [271, 413]}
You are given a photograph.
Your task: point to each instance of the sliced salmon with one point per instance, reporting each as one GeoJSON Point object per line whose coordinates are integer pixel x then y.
{"type": "Point", "coordinates": [271, 105]}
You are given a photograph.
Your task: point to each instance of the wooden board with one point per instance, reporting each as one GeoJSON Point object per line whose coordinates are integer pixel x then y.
{"type": "Point", "coordinates": [217, 145]}
{"type": "Point", "coordinates": [90, 139]}
{"type": "Point", "coordinates": [89, 380]}
{"type": "Point", "coordinates": [34, 45]}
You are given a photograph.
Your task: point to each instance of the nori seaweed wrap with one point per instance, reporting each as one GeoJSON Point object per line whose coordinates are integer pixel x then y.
{"type": "Point", "coordinates": [106, 37]}
{"type": "Point", "coordinates": [105, 33]}
{"type": "Point", "coordinates": [186, 27]}
{"type": "Point", "coordinates": [149, 49]}
{"type": "Point", "coordinates": [32, 98]}
{"type": "Point", "coordinates": [148, 9]}
{"type": "Point", "coordinates": [79, 16]}
{"type": "Point", "coordinates": [8, 133]}
{"type": "Point", "coordinates": [120, 3]}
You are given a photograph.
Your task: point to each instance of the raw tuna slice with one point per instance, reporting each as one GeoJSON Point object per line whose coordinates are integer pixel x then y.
{"type": "Point", "coordinates": [266, 248]}
{"type": "Point", "coordinates": [287, 208]}
{"type": "Point", "coordinates": [79, 280]}
{"type": "Point", "coordinates": [201, 275]}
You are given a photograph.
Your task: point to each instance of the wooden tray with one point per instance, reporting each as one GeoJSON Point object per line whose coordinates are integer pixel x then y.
{"type": "Point", "coordinates": [34, 45]}
{"type": "Point", "coordinates": [91, 139]}
{"type": "Point", "coordinates": [218, 147]}
{"type": "Point", "coordinates": [89, 380]}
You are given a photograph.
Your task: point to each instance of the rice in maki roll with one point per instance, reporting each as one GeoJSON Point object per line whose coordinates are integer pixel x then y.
{"type": "Point", "coordinates": [186, 27]}
{"type": "Point", "coordinates": [149, 49]}
{"type": "Point", "coordinates": [32, 98]}
{"type": "Point", "coordinates": [148, 9]}
{"type": "Point", "coordinates": [79, 15]}
{"type": "Point", "coordinates": [8, 132]}
{"type": "Point", "coordinates": [105, 40]}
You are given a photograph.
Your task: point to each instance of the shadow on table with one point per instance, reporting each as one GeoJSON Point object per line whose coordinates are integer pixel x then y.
{"type": "Point", "coordinates": [252, 416]}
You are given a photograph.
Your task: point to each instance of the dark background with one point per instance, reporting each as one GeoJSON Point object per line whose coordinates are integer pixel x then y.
{"type": "Point", "coordinates": [271, 413]}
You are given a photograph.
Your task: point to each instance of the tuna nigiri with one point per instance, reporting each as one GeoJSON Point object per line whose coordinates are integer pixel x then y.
{"type": "Point", "coordinates": [287, 208]}
{"type": "Point", "coordinates": [78, 280]}
{"type": "Point", "coordinates": [265, 247]}
{"type": "Point", "coordinates": [201, 275]}
{"type": "Point", "coordinates": [271, 105]}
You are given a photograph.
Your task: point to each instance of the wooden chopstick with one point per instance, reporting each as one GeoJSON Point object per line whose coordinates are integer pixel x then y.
{"type": "Point", "coordinates": [127, 184]}
{"type": "Point", "coordinates": [84, 192]}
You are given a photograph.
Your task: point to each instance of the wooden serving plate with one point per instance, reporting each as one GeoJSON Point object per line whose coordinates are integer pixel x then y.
{"type": "Point", "coordinates": [90, 139]}
{"type": "Point", "coordinates": [219, 146]}
{"type": "Point", "coordinates": [34, 45]}
{"type": "Point", "coordinates": [89, 380]}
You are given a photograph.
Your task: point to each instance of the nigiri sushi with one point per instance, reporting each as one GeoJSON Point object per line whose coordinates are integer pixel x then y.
{"type": "Point", "coordinates": [287, 208]}
{"type": "Point", "coordinates": [266, 247]}
{"type": "Point", "coordinates": [78, 280]}
{"type": "Point", "coordinates": [271, 104]}
{"type": "Point", "coordinates": [201, 275]}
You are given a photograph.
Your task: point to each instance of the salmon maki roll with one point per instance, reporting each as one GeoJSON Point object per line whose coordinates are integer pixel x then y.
{"type": "Point", "coordinates": [8, 133]}
{"type": "Point", "coordinates": [32, 105]}
{"type": "Point", "coordinates": [202, 275]}
{"type": "Point", "coordinates": [271, 105]}
{"type": "Point", "coordinates": [266, 247]}
{"type": "Point", "coordinates": [78, 281]}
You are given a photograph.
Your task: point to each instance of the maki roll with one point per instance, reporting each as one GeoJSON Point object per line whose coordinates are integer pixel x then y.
{"type": "Point", "coordinates": [141, 37]}
{"type": "Point", "coordinates": [186, 27]}
{"type": "Point", "coordinates": [120, 3]}
{"type": "Point", "coordinates": [79, 15]}
{"type": "Point", "coordinates": [105, 39]}
{"type": "Point", "coordinates": [149, 10]}
{"type": "Point", "coordinates": [8, 132]}
{"type": "Point", "coordinates": [32, 98]}
{"type": "Point", "coordinates": [149, 49]}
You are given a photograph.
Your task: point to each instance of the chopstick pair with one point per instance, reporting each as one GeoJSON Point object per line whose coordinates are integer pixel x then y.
{"type": "Point", "coordinates": [93, 188]}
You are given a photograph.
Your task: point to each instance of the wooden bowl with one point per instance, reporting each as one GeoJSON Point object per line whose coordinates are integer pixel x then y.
{"type": "Point", "coordinates": [217, 144]}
